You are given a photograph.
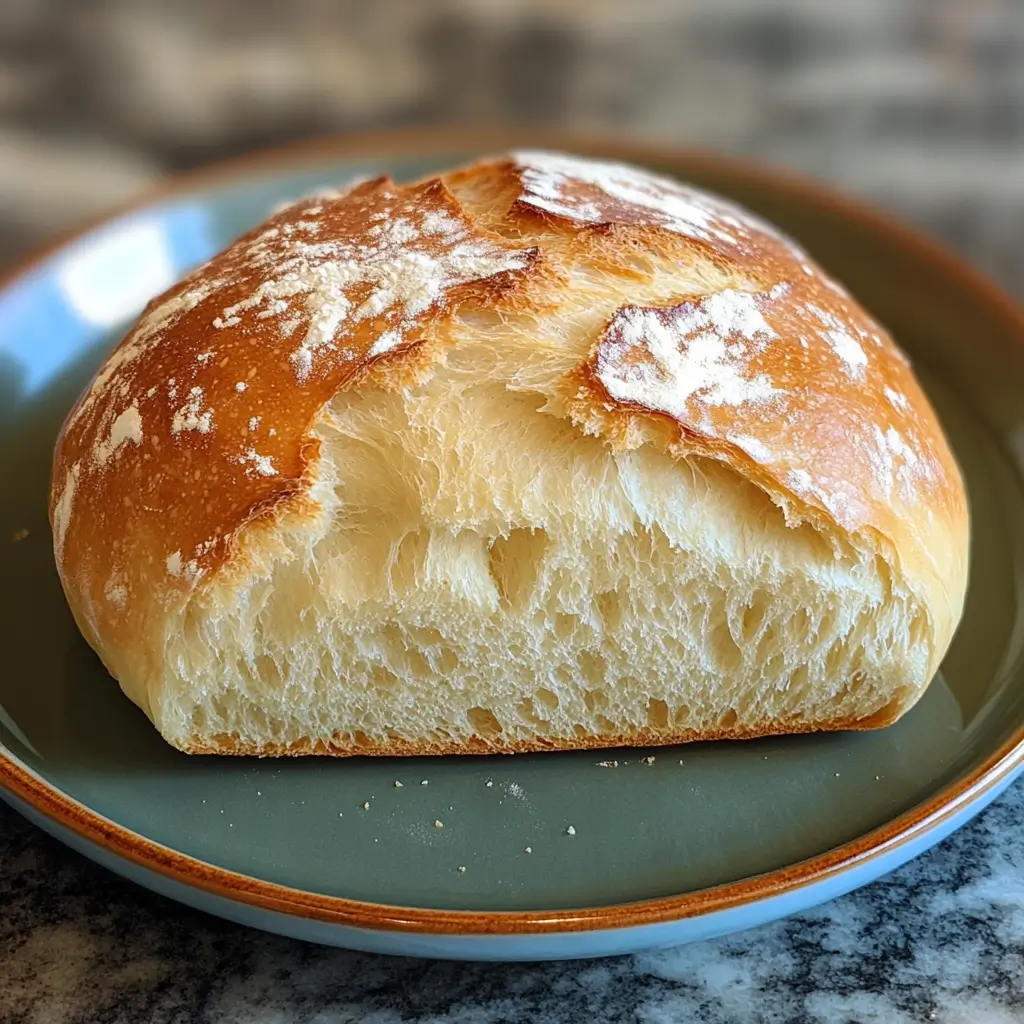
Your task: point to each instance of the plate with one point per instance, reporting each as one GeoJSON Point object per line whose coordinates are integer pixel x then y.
{"type": "Point", "coordinates": [562, 857]}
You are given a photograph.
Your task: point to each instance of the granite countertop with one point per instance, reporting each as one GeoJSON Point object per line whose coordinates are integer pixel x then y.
{"type": "Point", "coordinates": [918, 106]}
{"type": "Point", "coordinates": [941, 939]}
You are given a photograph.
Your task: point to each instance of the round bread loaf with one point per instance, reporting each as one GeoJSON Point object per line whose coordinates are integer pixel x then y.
{"type": "Point", "coordinates": [540, 453]}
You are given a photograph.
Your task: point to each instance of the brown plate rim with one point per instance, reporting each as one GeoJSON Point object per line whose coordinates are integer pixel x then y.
{"type": "Point", "coordinates": [208, 878]}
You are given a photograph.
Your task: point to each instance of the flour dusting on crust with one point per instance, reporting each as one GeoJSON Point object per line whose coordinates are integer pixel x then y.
{"type": "Point", "coordinates": [262, 465]}
{"type": "Point", "coordinates": [601, 192]}
{"type": "Point", "coordinates": [126, 429]}
{"type": "Point", "coordinates": [63, 507]}
{"type": "Point", "coordinates": [264, 335]}
{"type": "Point", "coordinates": [663, 358]}
{"type": "Point", "coordinates": [192, 416]}
{"type": "Point", "coordinates": [398, 262]}
{"type": "Point", "coordinates": [753, 369]}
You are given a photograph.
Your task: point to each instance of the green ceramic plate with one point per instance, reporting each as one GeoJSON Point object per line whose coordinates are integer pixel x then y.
{"type": "Point", "coordinates": [706, 815]}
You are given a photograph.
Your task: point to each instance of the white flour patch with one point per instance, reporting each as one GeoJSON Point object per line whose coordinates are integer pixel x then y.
{"type": "Point", "coordinates": [116, 592]}
{"type": "Point", "coordinates": [126, 429]}
{"type": "Point", "coordinates": [845, 346]}
{"type": "Point", "coordinates": [403, 264]}
{"type": "Point", "coordinates": [274, 308]}
{"type": "Point", "coordinates": [663, 358]}
{"type": "Point", "coordinates": [897, 400]}
{"type": "Point", "coordinates": [881, 461]}
{"type": "Point", "coordinates": [288, 325]}
{"type": "Point", "coordinates": [896, 461]}
{"type": "Point", "coordinates": [753, 447]}
{"type": "Point", "coordinates": [385, 343]}
{"type": "Point", "coordinates": [62, 510]}
{"type": "Point", "coordinates": [193, 291]}
{"type": "Point", "coordinates": [192, 416]}
{"type": "Point", "coordinates": [849, 351]}
{"type": "Point", "coordinates": [596, 191]}
{"type": "Point", "coordinates": [178, 568]}
{"type": "Point", "coordinates": [732, 312]}
{"type": "Point", "coordinates": [548, 181]}
{"type": "Point", "coordinates": [260, 465]}
{"type": "Point", "coordinates": [898, 446]}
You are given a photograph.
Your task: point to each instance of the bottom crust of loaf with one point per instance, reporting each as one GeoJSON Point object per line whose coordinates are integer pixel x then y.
{"type": "Point", "coordinates": [230, 745]}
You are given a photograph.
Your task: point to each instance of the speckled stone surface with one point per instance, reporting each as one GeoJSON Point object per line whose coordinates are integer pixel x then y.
{"type": "Point", "coordinates": [941, 939]}
{"type": "Point", "coordinates": [916, 105]}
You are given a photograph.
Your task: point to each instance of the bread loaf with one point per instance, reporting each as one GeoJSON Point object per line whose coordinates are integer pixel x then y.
{"type": "Point", "coordinates": [541, 453]}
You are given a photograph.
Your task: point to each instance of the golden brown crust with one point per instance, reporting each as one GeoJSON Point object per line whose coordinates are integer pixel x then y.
{"type": "Point", "coordinates": [198, 427]}
{"type": "Point", "coordinates": [796, 384]}
{"type": "Point", "coordinates": [199, 421]}
{"type": "Point", "coordinates": [482, 746]}
{"type": "Point", "coordinates": [783, 376]}
{"type": "Point", "coordinates": [592, 195]}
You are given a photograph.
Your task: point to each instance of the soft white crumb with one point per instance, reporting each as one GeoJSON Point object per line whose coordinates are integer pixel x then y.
{"type": "Point", "coordinates": [607, 764]}
{"type": "Point", "coordinates": [462, 869]}
{"type": "Point", "coordinates": [528, 849]}
{"type": "Point", "coordinates": [570, 831]}
{"type": "Point", "coordinates": [366, 805]}
{"type": "Point", "coordinates": [649, 759]}
{"type": "Point", "coordinates": [438, 824]}
{"type": "Point", "coordinates": [488, 783]}
{"type": "Point", "coordinates": [425, 782]}
{"type": "Point", "coordinates": [398, 785]}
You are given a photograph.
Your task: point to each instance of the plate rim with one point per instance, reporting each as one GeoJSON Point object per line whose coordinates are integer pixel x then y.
{"type": "Point", "coordinates": [914, 824]}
